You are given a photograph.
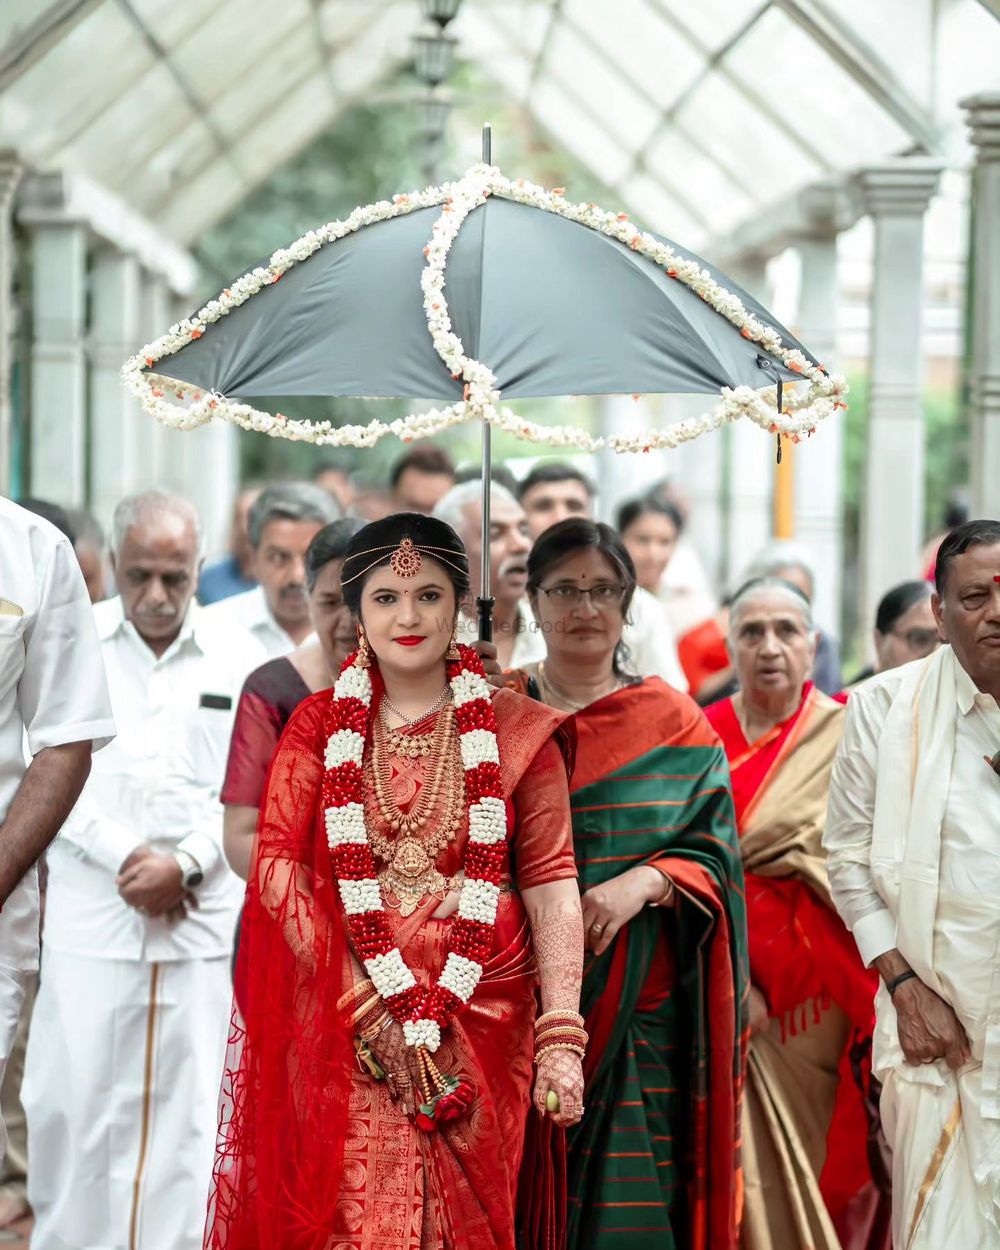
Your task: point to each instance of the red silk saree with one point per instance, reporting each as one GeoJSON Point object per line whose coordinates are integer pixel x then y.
{"type": "Point", "coordinates": [314, 1154]}
{"type": "Point", "coordinates": [805, 1128]}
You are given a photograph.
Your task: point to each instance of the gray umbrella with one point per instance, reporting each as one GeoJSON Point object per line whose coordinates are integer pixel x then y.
{"type": "Point", "coordinates": [550, 306]}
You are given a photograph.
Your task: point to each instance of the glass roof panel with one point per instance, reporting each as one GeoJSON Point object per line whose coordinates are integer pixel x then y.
{"type": "Point", "coordinates": [174, 21]}
{"type": "Point", "coordinates": [186, 215]}
{"type": "Point", "coordinates": [524, 22]}
{"type": "Point", "coordinates": [643, 44]}
{"type": "Point", "coordinates": [343, 20]}
{"type": "Point", "coordinates": [140, 121]}
{"type": "Point", "coordinates": [711, 22]}
{"type": "Point", "coordinates": [16, 16]}
{"type": "Point", "coordinates": [80, 76]}
{"type": "Point", "coordinates": [267, 86]}
{"type": "Point", "coordinates": [759, 154]}
{"type": "Point", "coordinates": [212, 61]}
{"type": "Point", "coordinates": [655, 209]}
{"type": "Point", "coordinates": [699, 179]}
{"type": "Point", "coordinates": [502, 59]}
{"type": "Point", "coordinates": [280, 133]}
{"type": "Point", "coordinates": [782, 63]}
{"type": "Point", "coordinates": [968, 57]}
{"type": "Point", "coordinates": [578, 131]}
{"type": "Point", "coordinates": [149, 179]}
{"type": "Point", "coordinates": [878, 26]}
{"type": "Point", "coordinates": [383, 40]}
{"type": "Point", "coordinates": [572, 60]}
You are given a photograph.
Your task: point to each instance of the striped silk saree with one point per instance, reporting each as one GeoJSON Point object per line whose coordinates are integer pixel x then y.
{"type": "Point", "coordinates": [655, 1162]}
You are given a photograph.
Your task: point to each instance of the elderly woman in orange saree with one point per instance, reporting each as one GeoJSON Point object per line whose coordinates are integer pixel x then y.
{"type": "Point", "coordinates": [808, 1181]}
{"type": "Point", "coordinates": [412, 896]}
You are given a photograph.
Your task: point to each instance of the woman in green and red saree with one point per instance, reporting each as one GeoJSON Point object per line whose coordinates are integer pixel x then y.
{"type": "Point", "coordinates": [655, 1162]}
{"type": "Point", "coordinates": [808, 1179]}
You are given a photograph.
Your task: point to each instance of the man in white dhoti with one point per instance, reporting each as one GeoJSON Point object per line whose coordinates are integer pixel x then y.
{"type": "Point", "coordinates": [129, 1034]}
{"type": "Point", "coordinates": [913, 836]}
{"type": "Point", "coordinates": [54, 698]}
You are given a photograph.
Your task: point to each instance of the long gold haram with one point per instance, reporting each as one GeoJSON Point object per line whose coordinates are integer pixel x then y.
{"type": "Point", "coordinates": [410, 873]}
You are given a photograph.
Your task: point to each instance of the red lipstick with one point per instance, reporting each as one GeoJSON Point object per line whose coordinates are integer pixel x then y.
{"type": "Point", "coordinates": [411, 640]}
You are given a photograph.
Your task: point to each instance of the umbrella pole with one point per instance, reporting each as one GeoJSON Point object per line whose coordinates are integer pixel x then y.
{"type": "Point", "coordinates": [485, 601]}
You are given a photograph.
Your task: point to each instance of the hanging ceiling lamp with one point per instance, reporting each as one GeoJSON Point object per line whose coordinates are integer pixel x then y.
{"type": "Point", "coordinates": [433, 56]}
{"type": "Point", "coordinates": [441, 11]}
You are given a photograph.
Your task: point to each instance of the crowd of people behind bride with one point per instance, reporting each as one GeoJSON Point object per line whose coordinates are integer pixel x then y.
{"type": "Point", "coordinates": [638, 926]}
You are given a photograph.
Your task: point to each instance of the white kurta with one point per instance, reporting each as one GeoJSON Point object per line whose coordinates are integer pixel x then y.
{"type": "Point", "coordinates": [249, 613]}
{"type": "Point", "coordinates": [944, 1127]}
{"type": "Point", "coordinates": [52, 691]}
{"type": "Point", "coordinates": [129, 1033]}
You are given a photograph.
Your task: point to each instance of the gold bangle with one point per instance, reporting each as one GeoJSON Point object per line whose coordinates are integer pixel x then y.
{"type": "Point", "coordinates": [548, 1050]}
{"type": "Point", "coordinates": [559, 1017]}
{"type": "Point", "coordinates": [668, 892]}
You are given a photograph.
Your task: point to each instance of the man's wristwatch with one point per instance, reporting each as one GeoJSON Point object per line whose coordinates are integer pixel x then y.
{"type": "Point", "coordinates": [191, 872]}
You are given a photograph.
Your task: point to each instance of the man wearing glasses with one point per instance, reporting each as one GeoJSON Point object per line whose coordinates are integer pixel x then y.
{"type": "Point", "coordinates": [913, 836]}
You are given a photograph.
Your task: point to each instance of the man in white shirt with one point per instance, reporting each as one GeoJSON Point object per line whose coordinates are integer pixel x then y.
{"type": "Point", "coordinates": [282, 523]}
{"type": "Point", "coordinates": [517, 643]}
{"type": "Point", "coordinates": [555, 491]}
{"type": "Point", "coordinates": [128, 1040]}
{"type": "Point", "coordinates": [913, 836]}
{"type": "Point", "coordinates": [53, 696]}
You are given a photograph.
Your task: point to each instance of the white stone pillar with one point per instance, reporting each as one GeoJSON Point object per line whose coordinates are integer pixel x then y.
{"type": "Point", "coordinates": [114, 415]}
{"type": "Point", "coordinates": [750, 456]}
{"type": "Point", "coordinates": [202, 464]}
{"type": "Point", "coordinates": [984, 275]}
{"type": "Point", "coordinates": [10, 175]}
{"type": "Point", "coordinates": [896, 195]}
{"type": "Point", "coordinates": [58, 362]}
{"type": "Point", "coordinates": [819, 461]}
{"type": "Point", "coordinates": [153, 465]}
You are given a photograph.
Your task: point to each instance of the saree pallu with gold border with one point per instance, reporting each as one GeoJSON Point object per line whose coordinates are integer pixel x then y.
{"type": "Point", "coordinates": [314, 1154]}
{"type": "Point", "coordinates": [655, 1162]}
{"type": "Point", "coordinates": [809, 1185]}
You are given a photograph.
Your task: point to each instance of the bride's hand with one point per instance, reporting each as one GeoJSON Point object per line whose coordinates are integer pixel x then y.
{"type": "Point", "coordinates": [562, 1072]}
{"type": "Point", "coordinates": [398, 1061]}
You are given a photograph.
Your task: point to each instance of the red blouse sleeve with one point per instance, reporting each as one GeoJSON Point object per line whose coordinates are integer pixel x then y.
{"type": "Point", "coordinates": [543, 834]}
{"type": "Point", "coordinates": [256, 731]}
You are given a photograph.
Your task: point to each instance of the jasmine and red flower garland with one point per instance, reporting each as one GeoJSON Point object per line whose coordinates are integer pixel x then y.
{"type": "Point", "coordinates": [423, 1011]}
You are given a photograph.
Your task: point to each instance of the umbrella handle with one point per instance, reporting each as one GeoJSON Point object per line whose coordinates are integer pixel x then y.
{"type": "Point", "coordinates": [772, 372]}
{"type": "Point", "coordinates": [485, 609]}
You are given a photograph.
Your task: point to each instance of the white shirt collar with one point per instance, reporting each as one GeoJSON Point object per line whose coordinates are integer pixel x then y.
{"type": "Point", "coordinates": [110, 619]}
{"type": "Point", "coordinates": [968, 693]}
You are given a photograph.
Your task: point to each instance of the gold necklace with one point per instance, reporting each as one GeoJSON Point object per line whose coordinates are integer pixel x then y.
{"type": "Point", "coordinates": [415, 720]}
{"type": "Point", "coordinates": [560, 696]}
{"type": "Point", "coordinates": [408, 852]}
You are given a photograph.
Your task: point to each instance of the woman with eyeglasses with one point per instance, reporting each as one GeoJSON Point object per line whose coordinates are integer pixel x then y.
{"type": "Point", "coordinates": [905, 628]}
{"type": "Point", "coordinates": [654, 1162]}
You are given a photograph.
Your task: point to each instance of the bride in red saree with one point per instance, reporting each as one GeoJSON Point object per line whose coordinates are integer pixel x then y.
{"type": "Point", "coordinates": [397, 941]}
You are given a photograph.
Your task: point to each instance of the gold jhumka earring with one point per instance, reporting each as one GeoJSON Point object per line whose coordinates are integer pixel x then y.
{"type": "Point", "coordinates": [453, 652]}
{"type": "Point", "coordinates": [364, 659]}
